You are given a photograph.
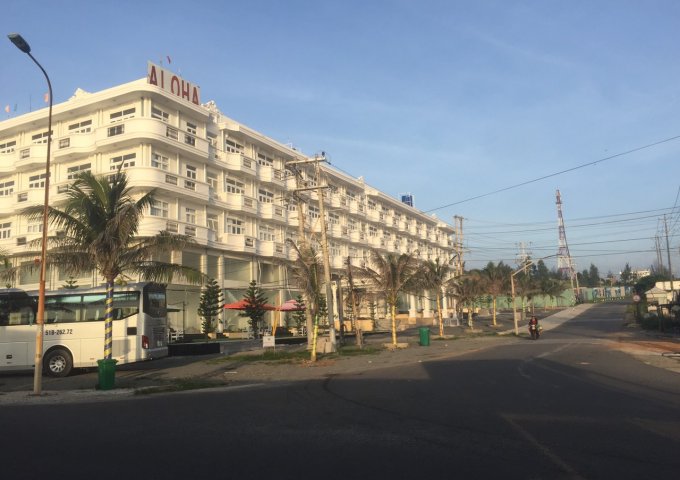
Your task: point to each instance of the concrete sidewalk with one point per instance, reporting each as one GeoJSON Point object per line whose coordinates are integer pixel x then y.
{"type": "Point", "coordinates": [229, 371]}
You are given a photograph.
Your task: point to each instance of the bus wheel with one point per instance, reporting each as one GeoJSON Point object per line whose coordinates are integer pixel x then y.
{"type": "Point", "coordinates": [58, 363]}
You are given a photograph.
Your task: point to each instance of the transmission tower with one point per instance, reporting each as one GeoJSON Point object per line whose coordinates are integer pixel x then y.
{"type": "Point", "coordinates": [565, 264]}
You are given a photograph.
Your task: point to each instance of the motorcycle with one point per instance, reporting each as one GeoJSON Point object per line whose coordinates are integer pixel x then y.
{"type": "Point", "coordinates": [534, 330]}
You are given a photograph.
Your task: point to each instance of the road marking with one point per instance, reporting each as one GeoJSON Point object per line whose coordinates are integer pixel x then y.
{"type": "Point", "coordinates": [543, 449]}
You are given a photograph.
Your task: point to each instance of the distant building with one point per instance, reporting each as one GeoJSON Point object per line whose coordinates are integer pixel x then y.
{"type": "Point", "coordinates": [217, 180]}
{"type": "Point", "coordinates": [638, 274]}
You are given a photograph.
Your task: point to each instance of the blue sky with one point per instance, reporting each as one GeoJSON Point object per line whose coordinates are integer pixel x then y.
{"type": "Point", "coordinates": [447, 100]}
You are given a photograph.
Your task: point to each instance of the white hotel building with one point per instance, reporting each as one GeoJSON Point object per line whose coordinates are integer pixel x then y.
{"type": "Point", "coordinates": [216, 180]}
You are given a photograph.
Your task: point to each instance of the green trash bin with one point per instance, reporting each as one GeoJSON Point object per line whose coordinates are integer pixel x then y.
{"type": "Point", "coordinates": [424, 336]}
{"type": "Point", "coordinates": [107, 374]}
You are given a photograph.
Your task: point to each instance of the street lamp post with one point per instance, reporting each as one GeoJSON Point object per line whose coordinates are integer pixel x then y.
{"type": "Point", "coordinates": [22, 45]}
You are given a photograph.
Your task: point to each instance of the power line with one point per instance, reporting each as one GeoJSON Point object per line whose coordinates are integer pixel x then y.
{"type": "Point", "coordinates": [628, 152]}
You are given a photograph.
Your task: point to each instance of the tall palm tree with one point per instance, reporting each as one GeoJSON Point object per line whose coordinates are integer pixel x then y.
{"type": "Point", "coordinates": [496, 282]}
{"type": "Point", "coordinates": [98, 231]}
{"type": "Point", "coordinates": [391, 275]}
{"type": "Point", "coordinates": [307, 271]}
{"type": "Point", "coordinates": [466, 289]}
{"type": "Point", "coordinates": [432, 275]}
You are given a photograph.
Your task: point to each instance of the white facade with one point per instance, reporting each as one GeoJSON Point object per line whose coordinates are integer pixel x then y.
{"type": "Point", "coordinates": [216, 180]}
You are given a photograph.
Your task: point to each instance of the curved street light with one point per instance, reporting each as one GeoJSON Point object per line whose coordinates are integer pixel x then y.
{"type": "Point", "coordinates": [23, 45]}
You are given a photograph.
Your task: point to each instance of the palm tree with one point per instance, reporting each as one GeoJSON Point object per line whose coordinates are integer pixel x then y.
{"type": "Point", "coordinates": [433, 276]}
{"type": "Point", "coordinates": [391, 275]}
{"type": "Point", "coordinates": [307, 271]}
{"type": "Point", "coordinates": [98, 231]}
{"type": "Point", "coordinates": [496, 281]}
{"type": "Point", "coordinates": [466, 290]}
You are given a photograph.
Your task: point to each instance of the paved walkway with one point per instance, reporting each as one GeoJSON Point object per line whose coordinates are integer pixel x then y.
{"type": "Point", "coordinates": [229, 371]}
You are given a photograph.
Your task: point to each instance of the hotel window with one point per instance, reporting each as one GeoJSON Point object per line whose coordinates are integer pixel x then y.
{"type": "Point", "coordinates": [37, 181]}
{"type": "Point", "coordinates": [212, 139]}
{"type": "Point", "coordinates": [6, 188]}
{"type": "Point", "coordinates": [333, 218]}
{"type": "Point", "coordinates": [371, 205]}
{"type": "Point", "coordinates": [212, 222]}
{"type": "Point", "coordinates": [313, 211]}
{"type": "Point", "coordinates": [159, 161]}
{"type": "Point", "coordinates": [372, 232]}
{"type": "Point", "coordinates": [64, 143]}
{"type": "Point", "coordinates": [72, 172]}
{"type": "Point", "coordinates": [160, 209]}
{"type": "Point", "coordinates": [266, 233]}
{"type": "Point", "coordinates": [189, 138]}
{"type": "Point", "coordinates": [35, 227]}
{"type": "Point", "coordinates": [211, 178]}
{"type": "Point", "coordinates": [234, 226]}
{"type": "Point", "coordinates": [234, 186]}
{"type": "Point", "coordinates": [159, 114]}
{"type": "Point", "coordinates": [7, 147]}
{"type": "Point", "coordinates": [122, 115]}
{"type": "Point", "coordinates": [22, 197]}
{"type": "Point", "coordinates": [265, 196]}
{"type": "Point", "coordinates": [264, 160]}
{"type": "Point", "coordinates": [190, 215]}
{"type": "Point", "coordinates": [191, 172]}
{"type": "Point", "coordinates": [117, 130]}
{"type": "Point", "coordinates": [123, 161]}
{"type": "Point", "coordinates": [40, 138]}
{"type": "Point", "coordinates": [351, 225]}
{"type": "Point", "coordinates": [5, 230]}
{"type": "Point", "coordinates": [231, 146]}
{"type": "Point", "coordinates": [171, 133]}
{"type": "Point", "coordinates": [334, 250]}
{"type": "Point", "coordinates": [81, 127]}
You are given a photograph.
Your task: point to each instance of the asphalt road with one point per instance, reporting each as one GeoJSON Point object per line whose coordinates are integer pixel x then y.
{"type": "Point", "coordinates": [565, 406]}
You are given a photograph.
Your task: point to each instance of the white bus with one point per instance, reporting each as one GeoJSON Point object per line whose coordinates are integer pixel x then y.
{"type": "Point", "coordinates": [74, 327]}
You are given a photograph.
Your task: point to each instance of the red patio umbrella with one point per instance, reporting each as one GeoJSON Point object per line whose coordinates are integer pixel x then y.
{"type": "Point", "coordinates": [241, 305]}
{"type": "Point", "coordinates": [290, 306]}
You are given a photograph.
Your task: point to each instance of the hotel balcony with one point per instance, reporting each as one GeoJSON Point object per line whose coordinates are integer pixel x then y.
{"type": "Point", "coordinates": [161, 179]}
{"type": "Point", "coordinates": [357, 208]}
{"type": "Point", "coordinates": [357, 236]}
{"type": "Point", "coordinates": [269, 211]}
{"type": "Point", "coordinates": [272, 249]}
{"type": "Point", "coordinates": [29, 158]}
{"type": "Point", "coordinates": [73, 147]}
{"type": "Point", "coordinates": [241, 203]}
{"type": "Point", "coordinates": [240, 243]}
{"type": "Point", "coordinates": [237, 162]}
{"type": "Point", "coordinates": [373, 215]}
{"type": "Point", "coordinates": [135, 130]}
{"type": "Point", "coordinates": [271, 175]}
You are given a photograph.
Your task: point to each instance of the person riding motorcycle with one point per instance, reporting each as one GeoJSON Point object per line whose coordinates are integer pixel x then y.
{"type": "Point", "coordinates": [534, 328]}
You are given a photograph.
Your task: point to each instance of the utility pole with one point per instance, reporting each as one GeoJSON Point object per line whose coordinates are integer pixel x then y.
{"type": "Point", "coordinates": [458, 244]}
{"type": "Point", "coordinates": [355, 317]}
{"type": "Point", "coordinates": [668, 252]}
{"type": "Point", "coordinates": [302, 242]}
{"type": "Point", "coordinates": [326, 257]}
{"type": "Point", "coordinates": [324, 244]}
